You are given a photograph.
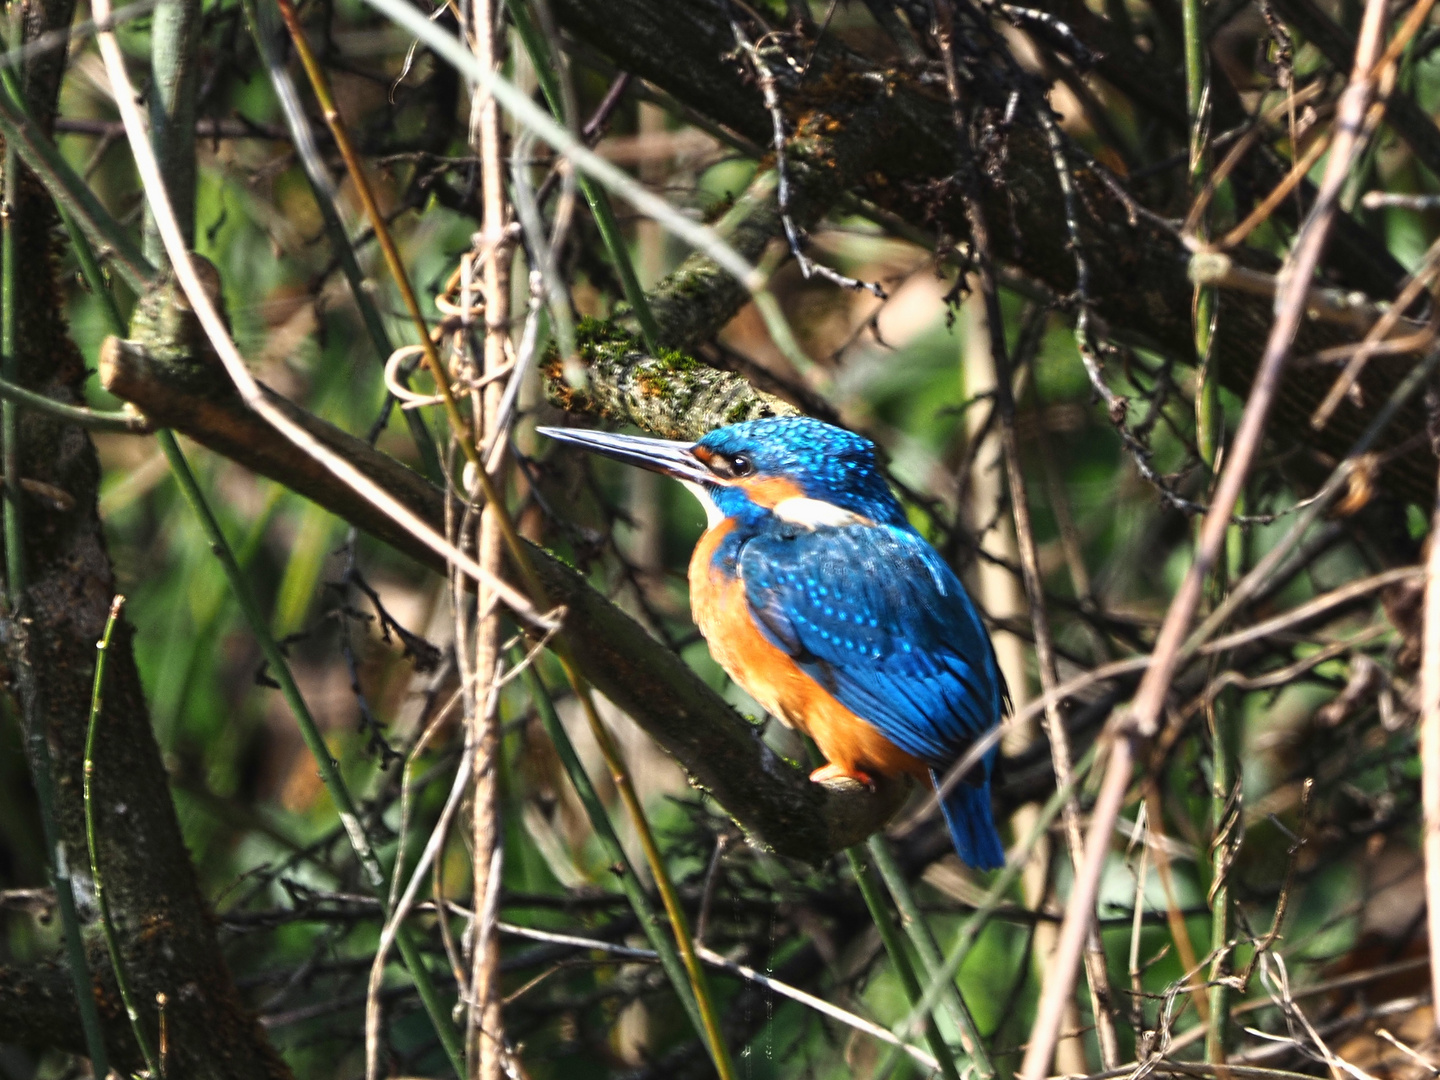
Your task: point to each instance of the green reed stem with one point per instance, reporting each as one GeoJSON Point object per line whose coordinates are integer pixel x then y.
{"type": "Point", "coordinates": [1225, 722]}
{"type": "Point", "coordinates": [92, 843]}
{"type": "Point", "coordinates": [895, 948]}
{"type": "Point", "coordinates": [90, 267]}
{"type": "Point", "coordinates": [969, 933]}
{"type": "Point", "coordinates": [923, 942]}
{"type": "Point", "coordinates": [115, 423]}
{"type": "Point", "coordinates": [320, 86]}
{"type": "Point", "coordinates": [1225, 760]}
{"type": "Point", "coordinates": [699, 982]}
{"type": "Point", "coordinates": [323, 190]}
{"type": "Point", "coordinates": [66, 187]}
{"type": "Point", "coordinates": [593, 193]}
{"type": "Point", "coordinates": [650, 921]}
{"type": "Point", "coordinates": [9, 370]}
{"type": "Point", "coordinates": [1207, 398]}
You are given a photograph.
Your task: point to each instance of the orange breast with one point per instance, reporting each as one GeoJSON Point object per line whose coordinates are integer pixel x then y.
{"type": "Point", "coordinates": [774, 679]}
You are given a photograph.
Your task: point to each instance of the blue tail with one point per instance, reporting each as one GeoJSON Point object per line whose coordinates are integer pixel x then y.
{"type": "Point", "coordinates": [972, 824]}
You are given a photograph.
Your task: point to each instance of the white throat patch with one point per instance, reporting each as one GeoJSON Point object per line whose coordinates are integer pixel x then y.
{"type": "Point", "coordinates": [798, 510]}
{"type": "Point", "coordinates": [814, 513]}
{"type": "Point", "coordinates": [713, 516]}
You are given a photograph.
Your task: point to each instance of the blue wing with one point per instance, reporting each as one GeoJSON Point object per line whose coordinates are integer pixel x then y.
{"type": "Point", "coordinates": [874, 615]}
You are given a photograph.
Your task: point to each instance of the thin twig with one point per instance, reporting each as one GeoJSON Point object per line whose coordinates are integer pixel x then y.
{"type": "Point", "coordinates": [1096, 971]}
{"type": "Point", "coordinates": [1430, 745]}
{"type": "Point", "coordinates": [1341, 307]}
{"type": "Point", "coordinates": [1135, 665]}
{"type": "Point", "coordinates": [769, 93]}
{"type": "Point", "coordinates": [1379, 200]}
{"type": "Point", "coordinates": [393, 932]}
{"type": "Point", "coordinates": [1281, 191]}
{"type": "Point", "coordinates": [92, 843]}
{"type": "Point", "coordinates": [1419, 281]}
{"type": "Point", "coordinates": [114, 423]}
{"type": "Point", "coordinates": [715, 960]}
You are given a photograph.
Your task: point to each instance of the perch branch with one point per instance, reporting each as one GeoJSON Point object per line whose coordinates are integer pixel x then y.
{"type": "Point", "coordinates": [771, 798]}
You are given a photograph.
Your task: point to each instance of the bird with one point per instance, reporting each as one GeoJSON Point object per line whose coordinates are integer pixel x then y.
{"type": "Point", "coordinates": [816, 594]}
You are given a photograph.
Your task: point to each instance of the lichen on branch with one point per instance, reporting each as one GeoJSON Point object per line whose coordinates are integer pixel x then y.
{"type": "Point", "coordinates": [672, 395]}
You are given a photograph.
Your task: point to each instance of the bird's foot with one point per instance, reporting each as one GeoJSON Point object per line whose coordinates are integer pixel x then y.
{"type": "Point", "coordinates": [840, 776]}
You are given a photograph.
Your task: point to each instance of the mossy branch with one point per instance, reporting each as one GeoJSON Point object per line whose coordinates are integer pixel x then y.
{"type": "Point", "coordinates": [671, 395]}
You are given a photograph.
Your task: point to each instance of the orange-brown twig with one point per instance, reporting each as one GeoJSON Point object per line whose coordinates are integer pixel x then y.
{"type": "Point", "coordinates": [1417, 284]}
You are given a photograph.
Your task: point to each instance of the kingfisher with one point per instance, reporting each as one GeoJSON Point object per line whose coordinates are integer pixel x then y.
{"type": "Point", "coordinates": [820, 599]}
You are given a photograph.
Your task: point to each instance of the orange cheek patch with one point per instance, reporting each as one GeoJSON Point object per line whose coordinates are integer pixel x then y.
{"type": "Point", "coordinates": [771, 491]}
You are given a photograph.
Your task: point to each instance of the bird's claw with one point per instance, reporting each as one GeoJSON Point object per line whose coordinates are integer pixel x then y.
{"type": "Point", "coordinates": [833, 775]}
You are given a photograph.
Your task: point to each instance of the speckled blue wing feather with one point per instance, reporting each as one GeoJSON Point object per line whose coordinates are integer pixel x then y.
{"type": "Point", "coordinates": [875, 616]}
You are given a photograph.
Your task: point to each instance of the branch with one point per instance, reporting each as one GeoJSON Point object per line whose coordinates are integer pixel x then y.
{"type": "Point", "coordinates": [771, 798]}
{"type": "Point", "coordinates": [672, 395]}
{"type": "Point", "coordinates": [895, 139]}
{"type": "Point", "coordinates": [37, 1008]}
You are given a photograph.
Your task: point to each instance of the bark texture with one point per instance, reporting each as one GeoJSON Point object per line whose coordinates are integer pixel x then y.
{"type": "Point", "coordinates": [166, 931]}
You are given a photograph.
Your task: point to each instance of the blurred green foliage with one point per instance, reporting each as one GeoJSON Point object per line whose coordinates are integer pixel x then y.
{"type": "Point", "coordinates": [264, 835]}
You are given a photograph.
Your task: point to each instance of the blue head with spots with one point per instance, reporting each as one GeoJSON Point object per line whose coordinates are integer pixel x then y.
{"type": "Point", "coordinates": [759, 464]}
{"type": "Point", "coordinates": [789, 466]}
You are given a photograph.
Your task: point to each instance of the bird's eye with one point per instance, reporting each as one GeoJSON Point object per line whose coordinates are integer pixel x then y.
{"type": "Point", "coordinates": [730, 466]}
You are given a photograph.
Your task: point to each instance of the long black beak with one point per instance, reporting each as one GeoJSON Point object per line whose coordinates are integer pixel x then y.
{"type": "Point", "coordinates": [666, 456]}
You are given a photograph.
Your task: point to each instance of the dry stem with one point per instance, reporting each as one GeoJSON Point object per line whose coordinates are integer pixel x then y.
{"type": "Point", "coordinates": [1143, 721]}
